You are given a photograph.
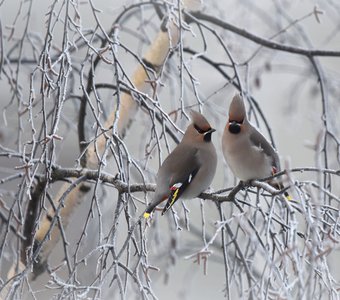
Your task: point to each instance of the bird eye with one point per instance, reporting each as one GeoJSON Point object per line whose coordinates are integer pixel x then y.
{"type": "Point", "coordinates": [234, 127]}
{"type": "Point", "coordinates": [199, 130]}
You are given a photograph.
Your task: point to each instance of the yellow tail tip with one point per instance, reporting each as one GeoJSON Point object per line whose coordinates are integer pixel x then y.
{"type": "Point", "coordinates": [289, 197]}
{"type": "Point", "coordinates": [146, 215]}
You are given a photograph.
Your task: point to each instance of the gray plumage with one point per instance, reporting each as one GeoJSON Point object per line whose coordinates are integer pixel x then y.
{"type": "Point", "coordinates": [247, 152]}
{"type": "Point", "coordinates": [190, 167]}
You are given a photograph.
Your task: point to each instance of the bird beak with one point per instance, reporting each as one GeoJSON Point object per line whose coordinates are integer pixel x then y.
{"type": "Point", "coordinates": [210, 131]}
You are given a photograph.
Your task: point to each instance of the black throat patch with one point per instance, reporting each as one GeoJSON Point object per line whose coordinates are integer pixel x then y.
{"type": "Point", "coordinates": [207, 137]}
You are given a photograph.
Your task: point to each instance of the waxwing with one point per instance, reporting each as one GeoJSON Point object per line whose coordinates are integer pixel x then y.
{"type": "Point", "coordinates": [190, 167]}
{"type": "Point", "coordinates": [247, 152]}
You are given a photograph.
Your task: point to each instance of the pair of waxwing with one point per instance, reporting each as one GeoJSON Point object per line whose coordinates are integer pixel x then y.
{"type": "Point", "coordinates": [190, 167]}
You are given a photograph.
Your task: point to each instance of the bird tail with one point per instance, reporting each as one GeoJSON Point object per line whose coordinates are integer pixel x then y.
{"type": "Point", "coordinates": [288, 196]}
{"type": "Point", "coordinates": [278, 185]}
{"type": "Point", "coordinates": [150, 209]}
{"type": "Point", "coordinates": [147, 215]}
{"type": "Point", "coordinates": [157, 200]}
{"type": "Point", "coordinates": [175, 192]}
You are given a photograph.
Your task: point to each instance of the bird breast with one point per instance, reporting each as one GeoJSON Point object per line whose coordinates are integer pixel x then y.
{"type": "Point", "coordinates": [246, 160]}
{"type": "Point", "coordinates": [208, 161]}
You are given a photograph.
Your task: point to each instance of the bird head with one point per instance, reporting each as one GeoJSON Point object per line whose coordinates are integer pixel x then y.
{"type": "Point", "coordinates": [200, 130]}
{"type": "Point", "coordinates": [237, 114]}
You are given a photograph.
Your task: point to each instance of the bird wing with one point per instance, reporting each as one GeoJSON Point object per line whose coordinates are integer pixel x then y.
{"type": "Point", "coordinates": [177, 190]}
{"type": "Point", "coordinates": [183, 171]}
{"type": "Point", "coordinates": [261, 142]}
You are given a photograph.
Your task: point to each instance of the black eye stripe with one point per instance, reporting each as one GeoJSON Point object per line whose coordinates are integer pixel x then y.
{"type": "Point", "coordinates": [200, 130]}
{"type": "Point", "coordinates": [233, 121]}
